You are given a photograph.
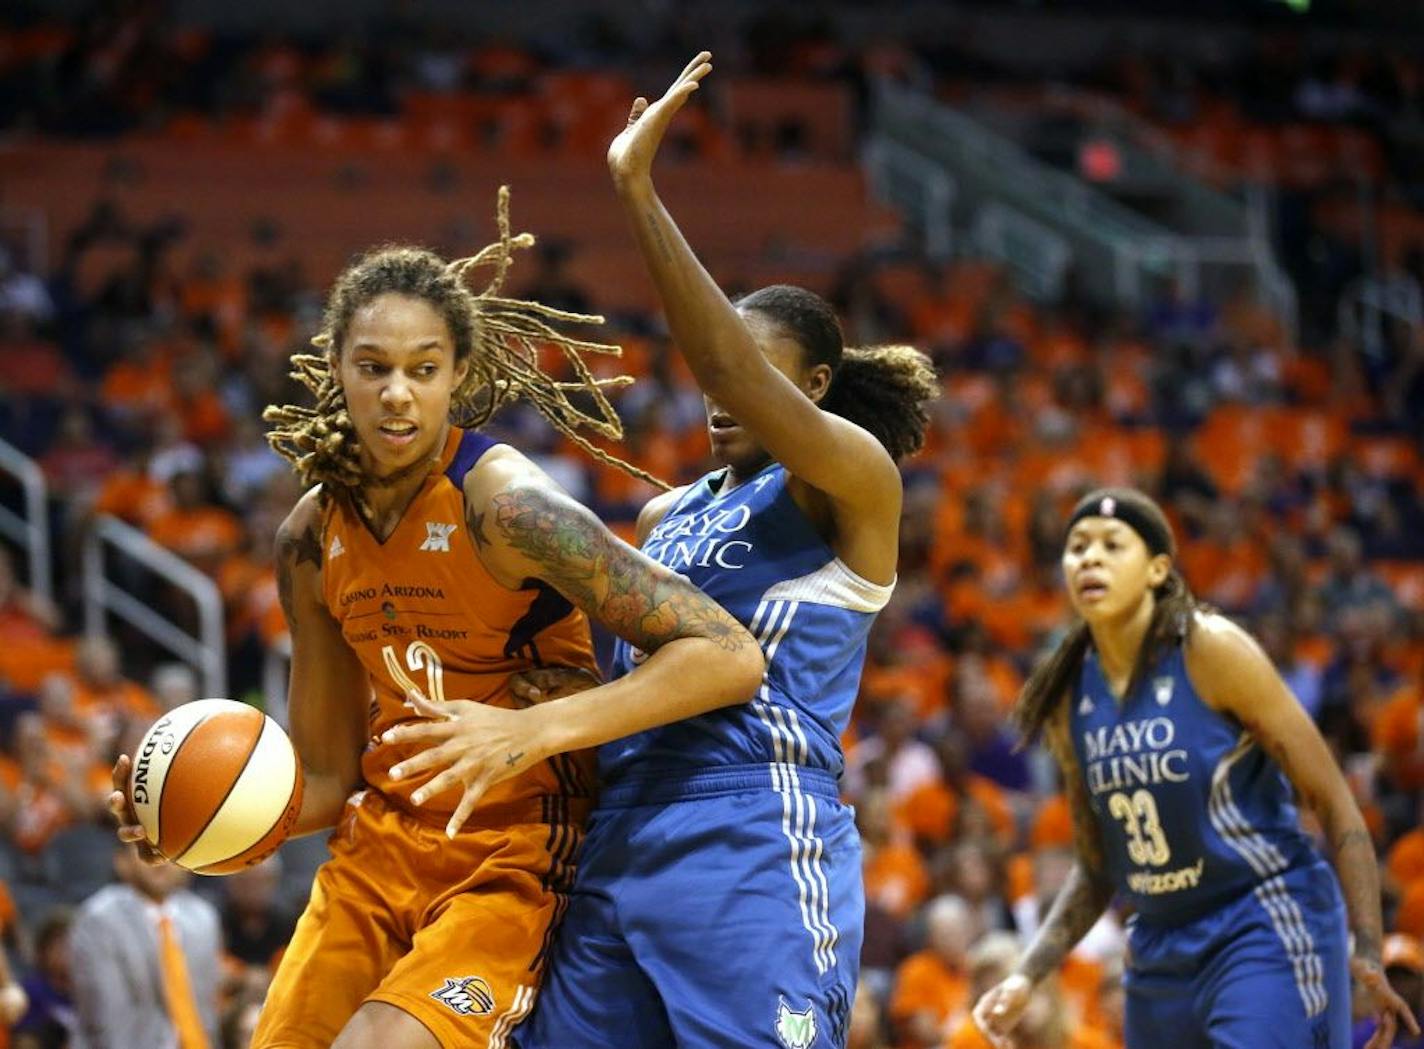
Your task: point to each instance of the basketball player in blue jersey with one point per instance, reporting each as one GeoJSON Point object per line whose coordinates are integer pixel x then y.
{"type": "Point", "coordinates": [1179, 745]}
{"type": "Point", "coordinates": [718, 900]}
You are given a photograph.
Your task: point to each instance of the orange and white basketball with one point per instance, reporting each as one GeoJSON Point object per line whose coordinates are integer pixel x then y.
{"type": "Point", "coordinates": [216, 785]}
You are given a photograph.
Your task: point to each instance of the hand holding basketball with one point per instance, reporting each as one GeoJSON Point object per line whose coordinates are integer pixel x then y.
{"type": "Point", "coordinates": [631, 154]}
{"type": "Point", "coordinates": [1001, 1007]}
{"type": "Point", "coordinates": [121, 807]}
{"type": "Point", "coordinates": [214, 787]}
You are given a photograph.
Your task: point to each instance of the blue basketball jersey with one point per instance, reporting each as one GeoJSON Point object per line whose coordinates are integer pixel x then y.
{"type": "Point", "coordinates": [756, 554]}
{"type": "Point", "coordinates": [1192, 812]}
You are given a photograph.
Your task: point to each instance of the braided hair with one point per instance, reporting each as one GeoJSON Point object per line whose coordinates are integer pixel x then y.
{"type": "Point", "coordinates": [499, 337]}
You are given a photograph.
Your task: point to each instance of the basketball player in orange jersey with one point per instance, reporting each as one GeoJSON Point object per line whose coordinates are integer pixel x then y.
{"type": "Point", "coordinates": [431, 562]}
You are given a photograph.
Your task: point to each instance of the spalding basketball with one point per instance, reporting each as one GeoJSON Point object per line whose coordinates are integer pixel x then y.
{"type": "Point", "coordinates": [216, 785]}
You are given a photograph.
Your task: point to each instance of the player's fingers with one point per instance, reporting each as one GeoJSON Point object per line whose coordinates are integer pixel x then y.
{"type": "Point", "coordinates": [472, 794]}
{"type": "Point", "coordinates": [699, 59]}
{"type": "Point", "coordinates": [151, 856]}
{"type": "Point", "coordinates": [1409, 1020]}
{"type": "Point", "coordinates": [428, 709]}
{"type": "Point", "coordinates": [1383, 1037]}
{"type": "Point", "coordinates": [640, 105]}
{"type": "Point", "coordinates": [1402, 1013]}
{"type": "Point", "coordinates": [419, 731]}
{"type": "Point", "coordinates": [121, 773]}
{"type": "Point", "coordinates": [697, 74]}
{"type": "Point", "coordinates": [131, 834]}
{"type": "Point", "coordinates": [984, 1012]}
{"type": "Point", "coordinates": [447, 780]}
{"type": "Point", "coordinates": [433, 757]}
{"type": "Point", "coordinates": [522, 688]}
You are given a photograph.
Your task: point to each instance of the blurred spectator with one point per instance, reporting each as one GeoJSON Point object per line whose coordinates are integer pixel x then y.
{"type": "Point", "coordinates": [1349, 585]}
{"type": "Point", "coordinates": [194, 528]}
{"type": "Point", "coordinates": [971, 872]}
{"type": "Point", "coordinates": [909, 763]}
{"type": "Point", "coordinates": [145, 958]}
{"type": "Point", "coordinates": [39, 793]}
{"type": "Point", "coordinates": [21, 293]}
{"type": "Point", "coordinates": [895, 875]}
{"type": "Point", "coordinates": [240, 1018]}
{"type": "Point", "coordinates": [255, 924]}
{"type": "Point", "coordinates": [993, 748]}
{"type": "Point", "coordinates": [932, 985]}
{"type": "Point", "coordinates": [867, 1025]}
{"type": "Point", "coordinates": [990, 962]}
{"type": "Point", "coordinates": [1278, 639]}
{"type": "Point", "coordinates": [50, 1022]}
{"type": "Point", "coordinates": [102, 692]}
{"type": "Point", "coordinates": [174, 684]}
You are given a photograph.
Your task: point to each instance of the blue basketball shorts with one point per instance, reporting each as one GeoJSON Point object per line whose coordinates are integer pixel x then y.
{"type": "Point", "coordinates": [721, 909]}
{"type": "Point", "coordinates": [1268, 970]}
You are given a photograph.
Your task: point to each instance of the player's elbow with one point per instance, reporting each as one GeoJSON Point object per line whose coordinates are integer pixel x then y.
{"type": "Point", "coordinates": [746, 666]}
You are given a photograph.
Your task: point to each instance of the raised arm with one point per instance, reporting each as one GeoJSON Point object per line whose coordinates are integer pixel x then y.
{"type": "Point", "coordinates": [698, 656]}
{"type": "Point", "coordinates": [1079, 904]}
{"type": "Point", "coordinates": [1231, 672]}
{"type": "Point", "coordinates": [328, 691]}
{"type": "Point", "coordinates": [827, 452]}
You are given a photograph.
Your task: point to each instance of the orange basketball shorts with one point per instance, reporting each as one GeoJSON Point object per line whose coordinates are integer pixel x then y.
{"type": "Point", "coordinates": [453, 932]}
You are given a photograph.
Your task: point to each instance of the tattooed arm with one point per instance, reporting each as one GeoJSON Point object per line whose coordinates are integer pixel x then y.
{"type": "Point", "coordinates": [328, 690]}
{"type": "Point", "coordinates": [1231, 672]}
{"type": "Point", "coordinates": [1079, 904]}
{"type": "Point", "coordinates": [526, 530]}
{"type": "Point", "coordinates": [700, 657]}
{"type": "Point", "coordinates": [1087, 892]}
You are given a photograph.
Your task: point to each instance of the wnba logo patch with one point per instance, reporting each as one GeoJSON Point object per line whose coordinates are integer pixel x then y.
{"type": "Point", "coordinates": [466, 995]}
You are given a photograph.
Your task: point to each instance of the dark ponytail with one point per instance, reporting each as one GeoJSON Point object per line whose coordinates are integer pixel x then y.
{"type": "Point", "coordinates": [1173, 618]}
{"type": "Point", "coordinates": [885, 390]}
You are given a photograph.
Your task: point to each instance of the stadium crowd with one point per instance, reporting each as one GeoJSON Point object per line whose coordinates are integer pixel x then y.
{"type": "Point", "coordinates": [1293, 472]}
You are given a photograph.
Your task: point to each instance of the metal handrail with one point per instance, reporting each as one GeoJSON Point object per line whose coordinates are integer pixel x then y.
{"type": "Point", "coordinates": [883, 157]}
{"type": "Point", "coordinates": [31, 530]}
{"type": "Point", "coordinates": [1123, 253]}
{"type": "Point", "coordinates": [206, 653]}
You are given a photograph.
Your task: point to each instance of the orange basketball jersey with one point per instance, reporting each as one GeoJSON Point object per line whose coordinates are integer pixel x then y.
{"type": "Point", "coordinates": [421, 611]}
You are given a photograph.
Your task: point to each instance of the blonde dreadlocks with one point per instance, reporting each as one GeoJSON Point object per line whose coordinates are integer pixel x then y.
{"type": "Point", "coordinates": [500, 337]}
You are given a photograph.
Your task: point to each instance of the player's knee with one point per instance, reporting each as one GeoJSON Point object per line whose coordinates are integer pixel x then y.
{"type": "Point", "coordinates": [377, 1025]}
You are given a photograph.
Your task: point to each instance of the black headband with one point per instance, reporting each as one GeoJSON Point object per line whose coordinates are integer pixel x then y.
{"type": "Point", "coordinates": [1157, 538]}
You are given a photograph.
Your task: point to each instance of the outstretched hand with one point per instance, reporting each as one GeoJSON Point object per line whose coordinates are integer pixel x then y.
{"type": "Point", "coordinates": [631, 154]}
{"type": "Point", "coordinates": [475, 746]}
{"type": "Point", "coordinates": [1378, 999]}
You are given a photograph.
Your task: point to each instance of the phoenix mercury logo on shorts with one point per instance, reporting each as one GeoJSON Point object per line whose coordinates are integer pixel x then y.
{"type": "Point", "coordinates": [466, 995]}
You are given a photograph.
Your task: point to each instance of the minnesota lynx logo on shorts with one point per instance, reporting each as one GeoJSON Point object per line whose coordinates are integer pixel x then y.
{"type": "Point", "coordinates": [466, 995]}
{"type": "Point", "coordinates": [796, 1030]}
